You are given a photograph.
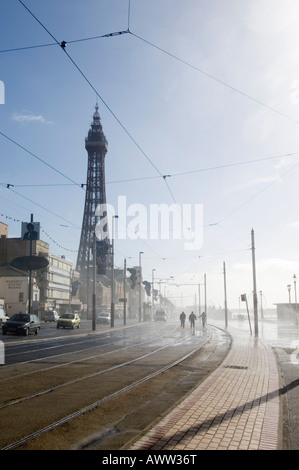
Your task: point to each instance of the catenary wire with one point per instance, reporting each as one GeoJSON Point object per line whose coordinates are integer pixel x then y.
{"type": "Point", "coordinates": [93, 88]}
{"type": "Point", "coordinates": [257, 194]}
{"type": "Point", "coordinates": [128, 31]}
{"type": "Point", "coordinates": [110, 110]}
{"type": "Point", "coordinates": [218, 80]}
{"type": "Point", "coordinates": [38, 158]}
{"type": "Point", "coordinates": [106, 105]}
{"type": "Point", "coordinates": [183, 173]}
{"type": "Point", "coordinates": [223, 83]}
{"type": "Point", "coordinates": [42, 207]}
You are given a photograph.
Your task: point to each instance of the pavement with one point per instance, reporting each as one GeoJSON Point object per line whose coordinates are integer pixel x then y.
{"type": "Point", "coordinates": [242, 405]}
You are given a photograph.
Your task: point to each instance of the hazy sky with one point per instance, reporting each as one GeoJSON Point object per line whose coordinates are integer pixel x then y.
{"type": "Point", "coordinates": [199, 103]}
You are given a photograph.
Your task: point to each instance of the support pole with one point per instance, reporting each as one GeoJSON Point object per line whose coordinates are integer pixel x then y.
{"type": "Point", "coordinates": [112, 309]}
{"type": "Point", "coordinates": [254, 285]}
{"type": "Point", "coordinates": [248, 316]}
{"type": "Point", "coordinates": [225, 298]}
{"type": "Point", "coordinates": [125, 292]}
{"type": "Point", "coordinates": [140, 278]}
{"type": "Point", "coordinates": [199, 308]}
{"type": "Point", "coordinates": [94, 284]}
{"type": "Point", "coordinates": [30, 274]}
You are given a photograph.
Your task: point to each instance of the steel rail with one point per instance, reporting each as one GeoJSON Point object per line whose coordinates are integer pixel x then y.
{"type": "Point", "coordinates": [94, 405]}
{"type": "Point", "coordinates": [88, 376]}
{"type": "Point", "coordinates": [5, 379]}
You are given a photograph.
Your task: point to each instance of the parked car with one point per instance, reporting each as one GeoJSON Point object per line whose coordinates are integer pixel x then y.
{"type": "Point", "coordinates": [104, 317]}
{"type": "Point", "coordinates": [21, 323]}
{"type": "Point", "coordinates": [51, 315]}
{"type": "Point", "coordinates": [3, 316]}
{"type": "Point", "coordinates": [68, 320]}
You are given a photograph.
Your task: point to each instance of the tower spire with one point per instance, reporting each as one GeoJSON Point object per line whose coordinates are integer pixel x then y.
{"type": "Point", "coordinates": [96, 146]}
{"type": "Point", "coordinates": [96, 115]}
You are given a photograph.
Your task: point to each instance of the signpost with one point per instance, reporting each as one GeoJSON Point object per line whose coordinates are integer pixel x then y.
{"type": "Point", "coordinates": [30, 232]}
{"type": "Point", "coordinates": [244, 299]}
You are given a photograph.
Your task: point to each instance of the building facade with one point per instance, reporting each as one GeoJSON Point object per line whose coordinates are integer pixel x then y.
{"type": "Point", "coordinates": [54, 287]}
{"type": "Point", "coordinates": [15, 292]}
{"type": "Point", "coordinates": [57, 289]}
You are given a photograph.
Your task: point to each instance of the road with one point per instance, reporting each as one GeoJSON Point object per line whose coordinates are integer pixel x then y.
{"type": "Point", "coordinates": [83, 389]}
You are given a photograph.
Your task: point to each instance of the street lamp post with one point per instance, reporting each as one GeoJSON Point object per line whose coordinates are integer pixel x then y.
{"type": "Point", "coordinates": [125, 292]}
{"type": "Point", "coordinates": [262, 311]}
{"type": "Point", "coordinates": [205, 286]}
{"type": "Point", "coordinates": [289, 290]}
{"type": "Point", "coordinates": [254, 284]}
{"type": "Point", "coordinates": [199, 306]}
{"type": "Point", "coordinates": [295, 290]}
{"type": "Point", "coordinates": [94, 292]}
{"type": "Point", "coordinates": [225, 295]}
{"type": "Point", "coordinates": [112, 273]}
{"type": "Point", "coordinates": [140, 253]}
{"type": "Point", "coordinates": [153, 292]}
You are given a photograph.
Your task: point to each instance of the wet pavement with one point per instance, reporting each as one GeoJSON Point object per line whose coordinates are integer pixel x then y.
{"type": "Point", "coordinates": [250, 402]}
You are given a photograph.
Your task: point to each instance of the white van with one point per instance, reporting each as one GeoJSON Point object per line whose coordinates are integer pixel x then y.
{"type": "Point", "coordinates": [160, 315]}
{"type": "Point", "coordinates": [3, 316]}
{"type": "Point", "coordinates": [51, 315]}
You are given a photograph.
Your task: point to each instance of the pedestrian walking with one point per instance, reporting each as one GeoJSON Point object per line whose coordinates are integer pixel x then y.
{"type": "Point", "coordinates": [203, 319]}
{"type": "Point", "coordinates": [183, 319]}
{"type": "Point", "coordinates": [192, 319]}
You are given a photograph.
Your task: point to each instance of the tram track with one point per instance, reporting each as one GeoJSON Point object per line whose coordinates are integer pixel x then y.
{"type": "Point", "coordinates": [73, 341]}
{"type": "Point", "coordinates": [135, 375]}
{"type": "Point", "coordinates": [66, 364]}
{"type": "Point", "coordinates": [94, 374]}
{"type": "Point", "coordinates": [40, 432]}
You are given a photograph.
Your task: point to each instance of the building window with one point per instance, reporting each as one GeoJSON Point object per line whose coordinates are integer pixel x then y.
{"type": "Point", "coordinates": [21, 296]}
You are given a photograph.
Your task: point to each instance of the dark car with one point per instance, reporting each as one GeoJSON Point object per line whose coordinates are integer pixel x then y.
{"type": "Point", "coordinates": [21, 324]}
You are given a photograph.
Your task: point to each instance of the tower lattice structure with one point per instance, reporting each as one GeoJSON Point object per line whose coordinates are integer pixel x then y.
{"type": "Point", "coordinates": [97, 147]}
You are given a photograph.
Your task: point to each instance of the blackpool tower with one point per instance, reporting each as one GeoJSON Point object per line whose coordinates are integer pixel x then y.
{"type": "Point", "coordinates": [96, 146]}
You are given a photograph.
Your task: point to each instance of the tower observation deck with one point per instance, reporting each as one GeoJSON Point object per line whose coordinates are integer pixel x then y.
{"type": "Point", "coordinates": [96, 146]}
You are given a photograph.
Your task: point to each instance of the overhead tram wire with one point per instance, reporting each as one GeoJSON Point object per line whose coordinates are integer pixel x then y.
{"type": "Point", "coordinates": [42, 207]}
{"type": "Point", "coordinates": [142, 178]}
{"type": "Point", "coordinates": [128, 31]}
{"type": "Point", "coordinates": [100, 97]}
{"type": "Point", "coordinates": [7, 185]}
{"type": "Point", "coordinates": [174, 57]}
{"type": "Point", "coordinates": [255, 195]}
{"type": "Point", "coordinates": [229, 165]}
{"type": "Point", "coordinates": [64, 43]}
{"type": "Point", "coordinates": [47, 210]}
{"type": "Point", "coordinates": [14, 219]}
{"type": "Point", "coordinates": [38, 158]}
{"type": "Point", "coordinates": [212, 77]}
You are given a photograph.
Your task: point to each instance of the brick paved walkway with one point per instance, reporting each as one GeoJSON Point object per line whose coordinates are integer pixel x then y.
{"type": "Point", "coordinates": [235, 408]}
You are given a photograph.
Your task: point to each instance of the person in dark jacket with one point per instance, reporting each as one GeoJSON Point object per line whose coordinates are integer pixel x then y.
{"type": "Point", "coordinates": [192, 318]}
{"type": "Point", "coordinates": [183, 319]}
